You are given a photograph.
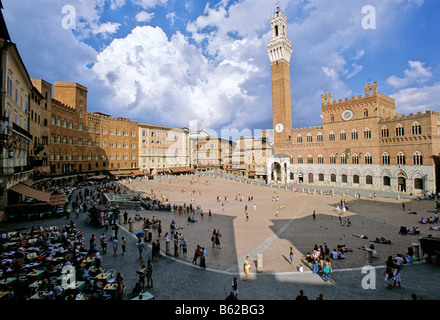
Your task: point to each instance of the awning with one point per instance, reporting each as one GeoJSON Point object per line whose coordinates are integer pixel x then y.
{"type": "Point", "coordinates": [57, 199]}
{"type": "Point", "coordinates": [100, 177]}
{"type": "Point", "coordinates": [138, 173]}
{"type": "Point", "coordinates": [181, 169]}
{"type": "Point", "coordinates": [31, 192]}
{"type": "Point", "coordinates": [159, 170]}
{"type": "Point", "coordinates": [28, 182]}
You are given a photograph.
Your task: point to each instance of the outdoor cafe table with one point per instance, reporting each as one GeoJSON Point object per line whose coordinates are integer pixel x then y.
{"type": "Point", "coordinates": [3, 294]}
{"type": "Point", "coordinates": [79, 285]}
{"type": "Point", "coordinates": [103, 276]}
{"type": "Point", "coordinates": [36, 275]}
{"type": "Point", "coordinates": [8, 281]}
{"type": "Point", "coordinates": [111, 288]}
{"type": "Point", "coordinates": [144, 296]}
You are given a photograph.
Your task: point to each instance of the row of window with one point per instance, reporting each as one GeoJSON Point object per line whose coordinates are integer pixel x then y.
{"type": "Point", "coordinates": [89, 157]}
{"type": "Point", "coordinates": [400, 131]}
{"type": "Point", "coordinates": [69, 140]}
{"type": "Point", "coordinates": [69, 125]}
{"type": "Point", "coordinates": [386, 180]}
{"type": "Point", "coordinates": [401, 159]}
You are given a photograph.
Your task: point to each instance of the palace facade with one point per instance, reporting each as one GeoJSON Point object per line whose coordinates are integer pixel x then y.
{"type": "Point", "coordinates": [363, 141]}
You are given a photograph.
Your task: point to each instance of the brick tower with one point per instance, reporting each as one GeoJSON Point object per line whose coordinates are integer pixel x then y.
{"type": "Point", "coordinates": [279, 49]}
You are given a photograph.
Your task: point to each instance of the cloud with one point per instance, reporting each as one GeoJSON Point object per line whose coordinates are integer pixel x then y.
{"type": "Point", "coordinates": [148, 4]}
{"type": "Point", "coordinates": [411, 100]}
{"type": "Point", "coordinates": [144, 16]}
{"type": "Point", "coordinates": [105, 29]}
{"type": "Point", "coordinates": [417, 73]}
{"type": "Point", "coordinates": [169, 80]}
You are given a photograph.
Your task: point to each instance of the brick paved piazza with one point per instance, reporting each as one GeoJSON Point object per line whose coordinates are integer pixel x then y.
{"type": "Point", "coordinates": [176, 278]}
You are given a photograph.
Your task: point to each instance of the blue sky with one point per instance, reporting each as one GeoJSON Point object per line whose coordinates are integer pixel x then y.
{"type": "Point", "coordinates": [180, 62]}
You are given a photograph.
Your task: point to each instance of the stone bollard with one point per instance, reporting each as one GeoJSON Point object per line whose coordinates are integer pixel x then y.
{"type": "Point", "coordinates": [168, 249]}
{"type": "Point", "coordinates": [416, 252]}
{"type": "Point", "coordinates": [369, 256]}
{"type": "Point", "coordinates": [121, 218]}
{"type": "Point", "coordinates": [260, 262]}
{"type": "Point", "coordinates": [130, 226]}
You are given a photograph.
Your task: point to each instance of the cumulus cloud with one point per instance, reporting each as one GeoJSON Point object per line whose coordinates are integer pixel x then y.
{"type": "Point", "coordinates": [417, 73]}
{"type": "Point", "coordinates": [411, 100]}
{"type": "Point", "coordinates": [144, 16]}
{"type": "Point", "coordinates": [170, 80]}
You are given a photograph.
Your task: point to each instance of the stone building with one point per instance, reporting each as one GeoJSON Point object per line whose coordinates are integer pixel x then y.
{"type": "Point", "coordinates": [163, 150]}
{"type": "Point", "coordinates": [15, 139]}
{"type": "Point", "coordinates": [363, 141]}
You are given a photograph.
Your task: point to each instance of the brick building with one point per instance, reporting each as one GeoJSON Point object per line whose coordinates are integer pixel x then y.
{"type": "Point", "coordinates": [363, 141]}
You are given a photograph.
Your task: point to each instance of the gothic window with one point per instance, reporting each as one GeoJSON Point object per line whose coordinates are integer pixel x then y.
{"type": "Point", "coordinates": [343, 159]}
{"type": "Point", "coordinates": [299, 139]}
{"type": "Point", "coordinates": [342, 136]}
{"type": "Point", "coordinates": [416, 128]}
{"type": "Point", "coordinates": [355, 159]}
{"type": "Point", "coordinates": [418, 158]}
{"type": "Point", "coordinates": [331, 136]}
{"type": "Point", "coordinates": [300, 159]}
{"type": "Point", "coordinates": [368, 159]}
{"type": "Point", "coordinates": [385, 158]}
{"type": "Point", "coordinates": [354, 135]}
{"type": "Point", "coordinates": [332, 159]}
{"type": "Point", "coordinates": [310, 159]}
{"type": "Point", "coordinates": [319, 137]}
{"type": "Point", "coordinates": [385, 132]}
{"type": "Point", "coordinates": [309, 138]}
{"type": "Point", "coordinates": [367, 134]}
{"type": "Point", "coordinates": [400, 131]}
{"type": "Point", "coordinates": [401, 158]}
{"type": "Point", "coordinates": [320, 159]}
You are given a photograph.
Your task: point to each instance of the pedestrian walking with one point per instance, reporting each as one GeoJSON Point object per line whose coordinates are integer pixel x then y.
{"type": "Point", "coordinates": [314, 214]}
{"type": "Point", "coordinates": [247, 266]}
{"type": "Point", "coordinates": [149, 274]}
{"type": "Point", "coordinates": [327, 270]}
{"type": "Point", "coordinates": [235, 287]}
{"type": "Point", "coordinates": [140, 246]}
{"type": "Point", "coordinates": [103, 243]}
{"type": "Point", "coordinates": [276, 213]}
{"type": "Point", "coordinates": [292, 256]}
{"type": "Point", "coordinates": [184, 248]}
{"type": "Point", "coordinates": [203, 258]}
{"type": "Point", "coordinates": [142, 274]}
{"type": "Point", "coordinates": [125, 217]}
{"type": "Point", "coordinates": [115, 246]}
{"type": "Point", "coordinates": [124, 246]}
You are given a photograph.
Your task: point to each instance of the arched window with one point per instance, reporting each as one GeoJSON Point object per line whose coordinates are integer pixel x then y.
{"type": "Point", "coordinates": [367, 133]}
{"type": "Point", "coordinates": [320, 159]}
{"type": "Point", "coordinates": [418, 159]}
{"type": "Point", "coordinates": [385, 133]}
{"type": "Point", "coordinates": [319, 137]}
{"type": "Point", "coordinates": [385, 158]}
{"type": "Point", "coordinates": [309, 138]}
{"type": "Point", "coordinates": [369, 179]}
{"type": "Point", "coordinates": [299, 139]}
{"type": "Point", "coordinates": [386, 181]}
{"type": "Point", "coordinates": [309, 159]}
{"type": "Point", "coordinates": [416, 128]}
{"type": "Point", "coordinates": [400, 130]}
{"type": "Point", "coordinates": [368, 159]}
{"type": "Point", "coordinates": [321, 177]}
{"type": "Point", "coordinates": [331, 136]}
{"type": "Point", "coordinates": [365, 113]}
{"type": "Point", "coordinates": [300, 159]}
{"type": "Point", "coordinates": [356, 179]}
{"type": "Point", "coordinates": [418, 184]}
{"type": "Point", "coordinates": [344, 178]}
{"type": "Point", "coordinates": [354, 135]}
{"type": "Point", "coordinates": [332, 118]}
{"type": "Point", "coordinates": [332, 159]}
{"type": "Point", "coordinates": [355, 158]}
{"type": "Point", "coordinates": [342, 136]}
{"type": "Point", "coordinates": [333, 177]}
{"type": "Point", "coordinates": [401, 158]}
{"type": "Point", "coordinates": [343, 159]}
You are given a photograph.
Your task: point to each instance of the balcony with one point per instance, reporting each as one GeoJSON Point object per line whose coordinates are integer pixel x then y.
{"type": "Point", "coordinates": [20, 130]}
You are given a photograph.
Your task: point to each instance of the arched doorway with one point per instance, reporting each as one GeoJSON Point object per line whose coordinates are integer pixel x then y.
{"type": "Point", "coordinates": [401, 183]}
{"type": "Point", "coordinates": [310, 177]}
{"type": "Point", "coordinates": [276, 172]}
